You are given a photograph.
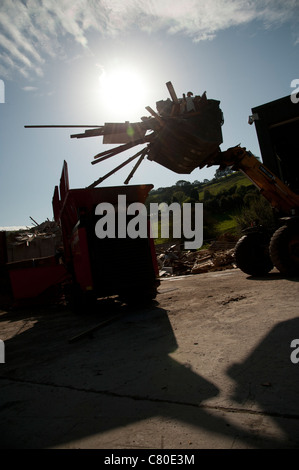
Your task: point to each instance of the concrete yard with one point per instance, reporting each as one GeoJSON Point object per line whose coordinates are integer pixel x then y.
{"type": "Point", "coordinates": [207, 366]}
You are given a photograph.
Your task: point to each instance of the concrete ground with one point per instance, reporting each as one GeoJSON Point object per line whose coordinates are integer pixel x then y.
{"type": "Point", "coordinates": [208, 366]}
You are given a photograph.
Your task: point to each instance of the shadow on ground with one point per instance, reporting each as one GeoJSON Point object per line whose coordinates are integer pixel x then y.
{"type": "Point", "coordinates": [54, 392]}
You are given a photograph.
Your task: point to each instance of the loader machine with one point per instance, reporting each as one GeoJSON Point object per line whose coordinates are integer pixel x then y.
{"type": "Point", "coordinates": [183, 140]}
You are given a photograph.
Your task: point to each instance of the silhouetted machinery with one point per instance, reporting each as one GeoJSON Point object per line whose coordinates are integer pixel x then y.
{"type": "Point", "coordinates": [185, 133]}
{"type": "Point", "coordinates": [183, 139]}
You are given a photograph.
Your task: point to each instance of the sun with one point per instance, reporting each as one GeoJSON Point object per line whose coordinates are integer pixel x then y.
{"type": "Point", "coordinates": [123, 91]}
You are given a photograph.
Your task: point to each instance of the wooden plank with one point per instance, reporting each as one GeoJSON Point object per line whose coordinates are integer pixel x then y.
{"type": "Point", "coordinates": [89, 133]}
{"type": "Point", "coordinates": [93, 185]}
{"type": "Point", "coordinates": [116, 150]}
{"type": "Point", "coordinates": [123, 133]}
{"type": "Point", "coordinates": [143, 153]}
{"type": "Point", "coordinates": [156, 116]}
{"type": "Point", "coordinates": [172, 93]}
{"type": "Point", "coordinates": [57, 126]}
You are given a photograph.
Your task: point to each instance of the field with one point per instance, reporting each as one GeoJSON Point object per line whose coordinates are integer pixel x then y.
{"type": "Point", "coordinates": [225, 184]}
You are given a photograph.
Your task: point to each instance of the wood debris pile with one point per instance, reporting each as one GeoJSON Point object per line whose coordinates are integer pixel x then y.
{"type": "Point", "coordinates": [174, 262]}
{"type": "Point", "coordinates": [47, 229]}
{"type": "Point", "coordinates": [185, 133]}
{"type": "Point", "coordinates": [40, 241]}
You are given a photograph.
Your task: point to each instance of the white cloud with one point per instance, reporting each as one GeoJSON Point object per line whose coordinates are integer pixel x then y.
{"type": "Point", "coordinates": [33, 30]}
{"type": "Point", "coordinates": [30, 88]}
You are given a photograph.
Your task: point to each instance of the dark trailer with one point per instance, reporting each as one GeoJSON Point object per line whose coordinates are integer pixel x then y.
{"type": "Point", "coordinates": [277, 128]}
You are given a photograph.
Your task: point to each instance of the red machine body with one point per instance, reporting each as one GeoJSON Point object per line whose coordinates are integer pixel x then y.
{"type": "Point", "coordinates": [32, 278]}
{"type": "Point", "coordinates": [109, 266]}
{"type": "Point", "coordinates": [92, 267]}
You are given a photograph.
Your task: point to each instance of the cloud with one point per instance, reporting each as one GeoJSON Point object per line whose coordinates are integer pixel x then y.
{"type": "Point", "coordinates": [35, 30]}
{"type": "Point", "coordinates": [30, 88]}
{"type": "Point", "coordinates": [202, 20]}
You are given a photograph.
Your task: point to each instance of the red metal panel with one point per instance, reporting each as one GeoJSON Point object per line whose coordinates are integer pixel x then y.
{"type": "Point", "coordinates": [56, 203]}
{"type": "Point", "coordinates": [30, 282]}
{"type": "Point", "coordinates": [81, 260]}
{"type": "Point", "coordinates": [64, 181]}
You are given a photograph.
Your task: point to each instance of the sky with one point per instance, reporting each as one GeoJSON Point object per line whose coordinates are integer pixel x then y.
{"type": "Point", "coordinates": [87, 62]}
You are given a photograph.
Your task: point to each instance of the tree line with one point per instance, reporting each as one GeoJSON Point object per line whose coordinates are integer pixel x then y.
{"type": "Point", "coordinates": [241, 201]}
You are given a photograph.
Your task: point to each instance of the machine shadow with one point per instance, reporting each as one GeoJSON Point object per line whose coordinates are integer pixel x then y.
{"type": "Point", "coordinates": [273, 276]}
{"type": "Point", "coordinates": [56, 394]}
{"type": "Point", "coordinates": [269, 378]}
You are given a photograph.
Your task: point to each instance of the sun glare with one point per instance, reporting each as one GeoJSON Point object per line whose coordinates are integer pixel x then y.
{"type": "Point", "coordinates": [123, 91]}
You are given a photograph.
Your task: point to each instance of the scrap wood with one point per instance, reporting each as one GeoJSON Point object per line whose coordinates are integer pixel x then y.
{"type": "Point", "coordinates": [143, 153]}
{"type": "Point", "coordinates": [172, 92]}
{"type": "Point", "coordinates": [121, 148]}
{"type": "Point", "coordinates": [202, 267]}
{"type": "Point", "coordinates": [34, 221]}
{"type": "Point", "coordinates": [44, 230]}
{"type": "Point", "coordinates": [174, 262]}
{"type": "Point", "coordinates": [98, 181]}
{"type": "Point", "coordinates": [156, 116]}
{"type": "Point", "coordinates": [178, 140]}
{"type": "Point", "coordinates": [89, 133]}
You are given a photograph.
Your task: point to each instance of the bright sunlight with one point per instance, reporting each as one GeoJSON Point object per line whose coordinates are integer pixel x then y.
{"type": "Point", "coordinates": [122, 91]}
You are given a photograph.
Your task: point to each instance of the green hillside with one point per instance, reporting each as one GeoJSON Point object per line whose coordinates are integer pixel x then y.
{"type": "Point", "coordinates": [225, 183]}
{"type": "Point", "coordinates": [230, 203]}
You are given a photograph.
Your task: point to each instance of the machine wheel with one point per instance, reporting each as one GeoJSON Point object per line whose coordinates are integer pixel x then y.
{"type": "Point", "coordinates": [284, 249]}
{"type": "Point", "coordinates": [252, 254]}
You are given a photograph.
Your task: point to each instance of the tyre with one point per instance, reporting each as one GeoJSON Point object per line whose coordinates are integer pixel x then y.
{"type": "Point", "coordinates": [284, 249]}
{"type": "Point", "coordinates": [252, 254]}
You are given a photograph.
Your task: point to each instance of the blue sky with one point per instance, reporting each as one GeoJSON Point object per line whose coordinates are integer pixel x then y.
{"type": "Point", "coordinates": [61, 61]}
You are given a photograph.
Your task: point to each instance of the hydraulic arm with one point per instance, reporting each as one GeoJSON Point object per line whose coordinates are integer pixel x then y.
{"type": "Point", "coordinates": [183, 139]}
{"type": "Point", "coordinates": [280, 196]}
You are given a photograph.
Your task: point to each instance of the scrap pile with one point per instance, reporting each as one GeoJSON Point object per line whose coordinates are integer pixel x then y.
{"type": "Point", "coordinates": [184, 134]}
{"type": "Point", "coordinates": [42, 240]}
{"type": "Point", "coordinates": [47, 229]}
{"type": "Point", "coordinates": [174, 262]}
